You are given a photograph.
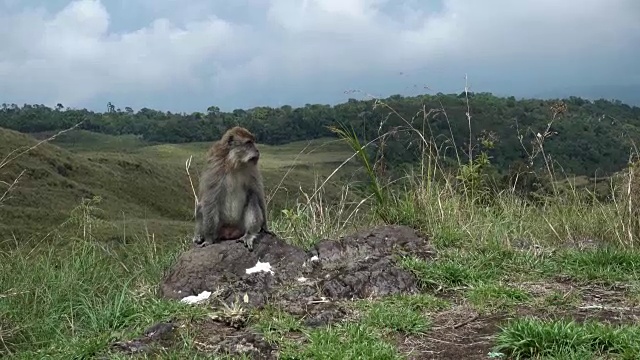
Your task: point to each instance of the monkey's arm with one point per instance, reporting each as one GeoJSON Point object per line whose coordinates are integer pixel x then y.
{"type": "Point", "coordinates": [198, 237]}
{"type": "Point", "coordinates": [263, 207]}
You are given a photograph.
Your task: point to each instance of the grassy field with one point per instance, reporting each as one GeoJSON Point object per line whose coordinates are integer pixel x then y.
{"type": "Point", "coordinates": [557, 280]}
{"type": "Point", "coordinates": [139, 186]}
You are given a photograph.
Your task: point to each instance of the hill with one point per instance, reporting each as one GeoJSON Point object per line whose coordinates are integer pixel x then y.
{"type": "Point", "coordinates": [142, 187]}
{"type": "Point", "coordinates": [587, 138]}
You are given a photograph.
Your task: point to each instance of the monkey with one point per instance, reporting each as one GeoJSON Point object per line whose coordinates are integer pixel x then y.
{"type": "Point", "coordinates": [226, 232]}
{"type": "Point", "coordinates": [231, 191]}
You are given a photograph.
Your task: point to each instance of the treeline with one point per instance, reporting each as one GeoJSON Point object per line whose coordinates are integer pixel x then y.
{"type": "Point", "coordinates": [589, 137]}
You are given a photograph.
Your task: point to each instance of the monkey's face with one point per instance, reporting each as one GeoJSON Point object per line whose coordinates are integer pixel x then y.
{"type": "Point", "coordinates": [243, 151]}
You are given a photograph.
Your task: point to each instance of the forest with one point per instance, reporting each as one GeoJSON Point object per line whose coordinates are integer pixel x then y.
{"type": "Point", "coordinates": [589, 138]}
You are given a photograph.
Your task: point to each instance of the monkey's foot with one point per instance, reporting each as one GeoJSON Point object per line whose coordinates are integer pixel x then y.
{"type": "Point", "coordinates": [269, 232]}
{"type": "Point", "coordinates": [197, 239]}
{"type": "Point", "coordinates": [247, 239]}
{"type": "Point", "coordinates": [201, 241]}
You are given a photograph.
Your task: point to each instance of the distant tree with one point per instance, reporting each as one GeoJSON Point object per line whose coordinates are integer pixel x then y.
{"type": "Point", "coordinates": [584, 142]}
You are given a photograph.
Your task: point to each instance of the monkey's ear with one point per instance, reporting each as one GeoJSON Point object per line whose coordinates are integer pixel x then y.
{"type": "Point", "coordinates": [230, 140]}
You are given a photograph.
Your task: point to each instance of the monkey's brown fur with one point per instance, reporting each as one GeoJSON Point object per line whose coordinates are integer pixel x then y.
{"type": "Point", "coordinates": [232, 201]}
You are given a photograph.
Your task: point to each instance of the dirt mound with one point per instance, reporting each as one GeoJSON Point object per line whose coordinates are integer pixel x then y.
{"type": "Point", "coordinates": [303, 283]}
{"type": "Point", "coordinates": [356, 266]}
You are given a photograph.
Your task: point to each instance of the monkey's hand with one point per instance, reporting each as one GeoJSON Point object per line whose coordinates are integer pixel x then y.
{"type": "Point", "coordinates": [248, 239]}
{"type": "Point", "coordinates": [201, 241]}
{"type": "Point", "coordinates": [198, 240]}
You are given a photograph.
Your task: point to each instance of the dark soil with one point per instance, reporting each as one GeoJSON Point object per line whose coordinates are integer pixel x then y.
{"type": "Point", "coordinates": [459, 333]}
{"type": "Point", "coordinates": [155, 338]}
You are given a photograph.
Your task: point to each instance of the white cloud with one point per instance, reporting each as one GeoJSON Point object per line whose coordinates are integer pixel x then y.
{"type": "Point", "coordinates": [74, 55]}
{"type": "Point", "coordinates": [71, 56]}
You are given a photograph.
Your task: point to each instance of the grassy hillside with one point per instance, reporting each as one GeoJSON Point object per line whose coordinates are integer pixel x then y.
{"type": "Point", "coordinates": [142, 186]}
{"type": "Point", "coordinates": [83, 141]}
{"type": "Point", "coordinates": [554, 277]}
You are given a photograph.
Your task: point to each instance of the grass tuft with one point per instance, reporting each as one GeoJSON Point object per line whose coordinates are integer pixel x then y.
{"type": "Point", "coordinates": [531, 338]}
{"type": "Point", "coordinates": [344, 341]}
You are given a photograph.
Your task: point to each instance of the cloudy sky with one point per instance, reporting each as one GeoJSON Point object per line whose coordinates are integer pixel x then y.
{"type": "Point", "coordinates": [187, 55]}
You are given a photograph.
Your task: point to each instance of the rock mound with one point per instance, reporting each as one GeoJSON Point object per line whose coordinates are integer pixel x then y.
{"type": "Point", "coordinates": [357, 266]}
{"type": "Point", "coordinates": [306, 284]}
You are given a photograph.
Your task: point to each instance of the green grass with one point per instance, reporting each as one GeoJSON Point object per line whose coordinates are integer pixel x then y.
{"type": "Point", "coordinates": [495, 296]}
{"type": "Point", "coordinates": [345, 341]}
{"type": "Point", "coordinates": [487, 265]}
{"type": "Point", "coordinates": [73, 301]}
{"type": "Point", "coordinates": [402, 313]}
{"type": "Point", "coordinates": [607, 265]}
{"type": "Point", "coordinates": [92, 279]}
{"type": "Point", "coordinates": [535, 338]}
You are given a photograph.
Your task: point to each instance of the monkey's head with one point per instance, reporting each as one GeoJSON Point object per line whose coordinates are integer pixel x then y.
{"type": "Point", "coordinates": [241, 147]}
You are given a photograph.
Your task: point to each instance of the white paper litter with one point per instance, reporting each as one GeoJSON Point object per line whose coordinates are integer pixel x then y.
{"type": "Point", "coordinates": [194, 299]}
{"type": "Point", "coordinates": [260, 266]}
